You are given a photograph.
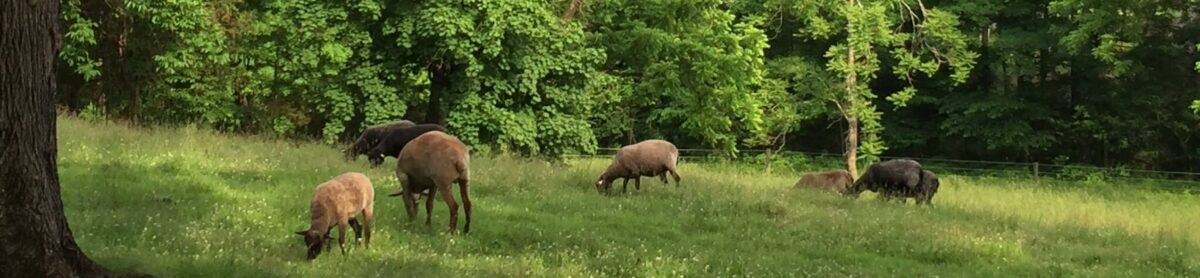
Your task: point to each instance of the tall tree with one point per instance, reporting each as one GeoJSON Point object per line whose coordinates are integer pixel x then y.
{"type": "Point", "coordinates": [37, 240]}
{"type": "Point", "coordinates": [862, 35]}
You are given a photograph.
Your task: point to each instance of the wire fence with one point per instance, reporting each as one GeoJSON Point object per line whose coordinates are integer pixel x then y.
{"type": "Point", "coordinates": [796, 162]}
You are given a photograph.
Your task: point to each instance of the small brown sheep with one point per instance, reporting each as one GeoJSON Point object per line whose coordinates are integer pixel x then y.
{"type": "Point", "coordinates": [432, 162]}
{"type": "Point", "coordinates": [647, 158]}
{"type": "Point", "coordinates": [836, 181]}
{"type": "Point", "coordinates": [372, 136]}
{"type": "Point", "coordinates": [337, 202]}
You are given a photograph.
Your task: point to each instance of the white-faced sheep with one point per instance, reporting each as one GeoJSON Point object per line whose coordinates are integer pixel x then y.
{"type": "Point", "coordinates": [647, 158]}
{"type": "Point", "coordinates": [372, 136]}
{"type": "Point", "coordinates": [337, 202]}
{"type": "Point", "coordinates": [395, 142]}
{"type": "Point", "coordinates": [837, 181]}
{"type": "Point", "coordinates": [434, 161]}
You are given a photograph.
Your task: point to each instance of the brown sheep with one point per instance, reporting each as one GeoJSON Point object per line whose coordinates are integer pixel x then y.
{"type": "Point", "coordinates": [836, 181]}
{"type": "Point", "coordinates": [432, 162]}
{"type": "Point", "coordinates": [337, 202]}
{"type": "Point", "coordinates": [372, 136]}
{"type": "Point", "coordinates": [647, 158]}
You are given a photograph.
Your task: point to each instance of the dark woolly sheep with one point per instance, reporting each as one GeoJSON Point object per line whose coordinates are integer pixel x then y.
{"type": "Point", "coordinates": [337, 202]}
{"type": "Point", "coordinates": [433, 162]}
{"type": "Point", "coordinates": [897, 178]}
{"type": "Point", "coordinates": [836, 181]}
{"type": "Point", "coordinates": [372, 136]}
{"type": "Point", "coordinates": [397, 139]}
{"type": "Point", "coordinates": [647, 158]}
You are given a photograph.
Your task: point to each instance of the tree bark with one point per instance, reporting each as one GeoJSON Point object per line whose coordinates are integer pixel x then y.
{"type": "Point", "coordinates": [439, 83]}
{"type": "Point", "coordinates": [848, 113]}
{"type": "Point", "coordinates": [572, 7]}
{"type": "Point", "coordinates": [852, 146]}
{"type": "Point", "coordinates": [37, 240]}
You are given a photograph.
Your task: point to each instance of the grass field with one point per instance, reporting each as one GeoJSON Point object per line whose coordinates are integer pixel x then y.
{"type": "Point", "coordinates": [189, 202]}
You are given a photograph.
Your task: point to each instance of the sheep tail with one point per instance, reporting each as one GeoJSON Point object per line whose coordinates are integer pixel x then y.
{"type": "Point", "coordinates": [462, 166]}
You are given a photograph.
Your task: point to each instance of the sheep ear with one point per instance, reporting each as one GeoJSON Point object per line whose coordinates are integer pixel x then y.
{"type": "Point", "coordinates": [303, 233]}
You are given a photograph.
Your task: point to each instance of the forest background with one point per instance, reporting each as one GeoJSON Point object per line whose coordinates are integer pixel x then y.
{"type": "Point", "coordinates": [1100, 82]}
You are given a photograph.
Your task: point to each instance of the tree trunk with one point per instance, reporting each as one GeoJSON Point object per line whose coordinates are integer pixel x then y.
{"type": "Point", "coordinates": [852, 146]}
{"type": "Point", "coordinates": [37, 240]}
{"type": "Point", "coordinates": [571, 9]}
{"type": "Point", "coordinates": [848, 113]}
{"type": "Point", "coordinates": [439, 83]}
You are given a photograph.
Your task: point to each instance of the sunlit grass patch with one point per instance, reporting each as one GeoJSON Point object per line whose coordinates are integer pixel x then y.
{"type": "Point", "coordinates": [187, 202]}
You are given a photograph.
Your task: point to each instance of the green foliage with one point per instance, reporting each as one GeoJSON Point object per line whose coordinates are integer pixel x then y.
{"type": "Point", "coordinates": [694, 66]}
{"type": "Point", "coordinates": [80, 34]}
{"type": "Point", "coordinates": [517, 75]}
{"type": "Point", "coordinates": [855, 55]}
{"type": "Point", "coordinates": [1107, 82]}
{"type": "Point", "coordinates": [797, 89]}
{"type": "Point", "coordinates": [92, 113]}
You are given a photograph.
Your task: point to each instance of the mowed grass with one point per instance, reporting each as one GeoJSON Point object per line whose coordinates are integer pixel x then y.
{"type": "Point", "coordinates": [187, 202]}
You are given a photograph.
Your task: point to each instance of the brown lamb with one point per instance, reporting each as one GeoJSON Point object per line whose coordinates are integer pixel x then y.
{"type": "Point", "coordinates": [836, 181]}
{"type": "Point", "coordinates": [433, 162]}
{"type": "Point", "coordinates": [337, 202]}
{"type": "Point", "coordinates": [647, 158]}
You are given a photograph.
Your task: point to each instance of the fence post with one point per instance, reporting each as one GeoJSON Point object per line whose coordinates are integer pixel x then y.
{"type": "Point", "coordinates": [768, 161]}
{"type": "Point", "coordinates": [1036, 179]}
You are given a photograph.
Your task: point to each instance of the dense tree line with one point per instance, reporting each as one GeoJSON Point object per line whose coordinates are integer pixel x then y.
{"type": "Point", "coordinates": [1109, 82]}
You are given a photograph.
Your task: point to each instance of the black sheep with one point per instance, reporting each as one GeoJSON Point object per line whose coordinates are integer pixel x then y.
{"type": "Point", "coordinates": [372, 136]}
{"type": "Point", "coordinates": [897, 178]}
{"type": "Point", "coordinates": [397, 139]}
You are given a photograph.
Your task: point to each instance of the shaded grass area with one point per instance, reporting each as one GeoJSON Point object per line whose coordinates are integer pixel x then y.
{"type": "Point", "coordinates": [188, 202]}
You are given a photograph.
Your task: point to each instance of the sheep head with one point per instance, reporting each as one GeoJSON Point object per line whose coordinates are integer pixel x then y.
{"type": "Point", "coordinates": [603, 183]}
{"type": "Point", "coordinates": [376, 157]}
{"type": "Point", "coordinates": [855, 189]}
{"type": "Point", "coordinates": [314, 240]}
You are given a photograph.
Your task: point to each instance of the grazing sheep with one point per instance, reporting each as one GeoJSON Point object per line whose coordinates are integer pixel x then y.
{"type": "Point", "coordinates": [432, 162]}
{"type": "Point", "coordinates": [395, 142]}
{"type": "Point", "coordinates": [372, 136]}
{"type": "Point", "coordinates": [647, 158]}
{"type": "Point", "coordinates": [337, 202]}
{"type": "Point", "coordinates": [837, 181]}
{"type": "Point", "coordinates": [897, 178]}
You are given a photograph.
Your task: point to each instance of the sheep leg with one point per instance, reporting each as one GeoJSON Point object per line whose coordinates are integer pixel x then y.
{"type": "Point", "coordinates": [429, 207]}
{"type": "Point", "coordinates": [637, 183]}
{"type": "Point", "coordinates": [673, 174]}
{"type": "Point", "coordinates": [410, 206]}
{"type": "Point", "coordinates": [406, 193]}
{"type": "Point", "coordinates": [466, 199]}
{"type": "Point", "coordinates": [625, 186]}
{"type": "Point", "coordinates": [663, 177]}
{"type": "Point", "coordinates": [449, 199]}
{"type": "Point", "coordinates": [368, 215]}
{"type": "Point", "coordinates": [342, 236]}
{"type": "Point", "coordinates": [327, 238]}
{"type": "Point", "coordinates": [357, 229]}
